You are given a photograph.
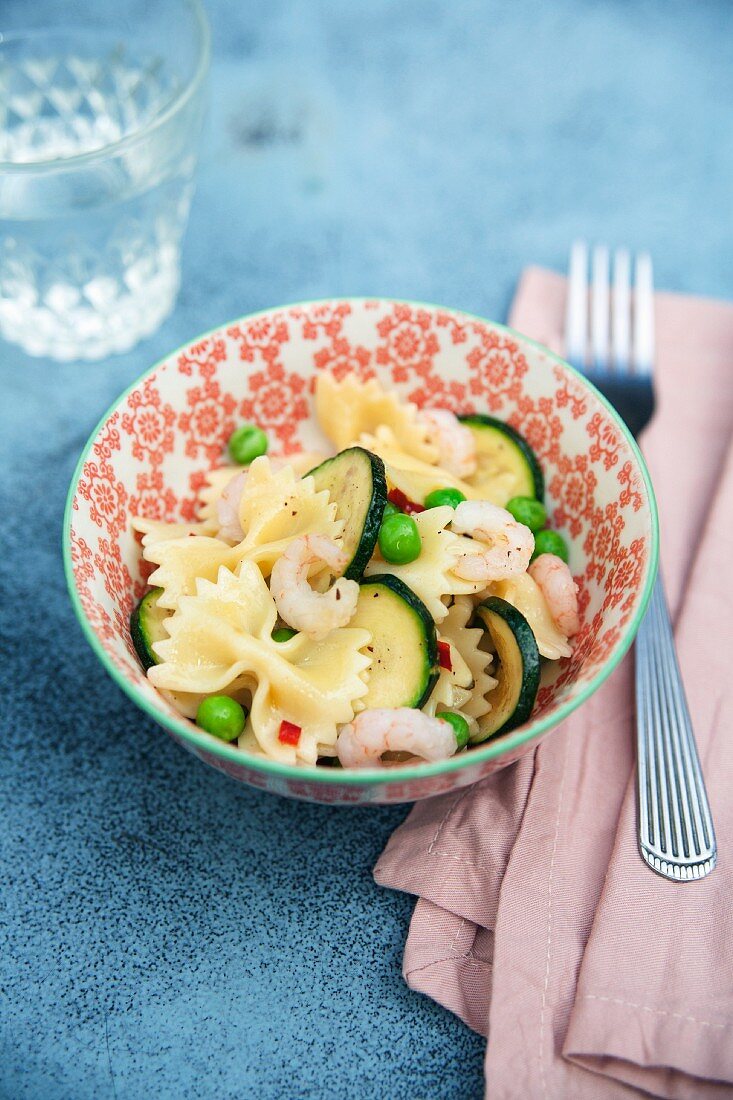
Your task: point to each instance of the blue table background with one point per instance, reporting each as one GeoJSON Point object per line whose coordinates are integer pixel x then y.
{"type": "Point", "coordinates": [166, 932]}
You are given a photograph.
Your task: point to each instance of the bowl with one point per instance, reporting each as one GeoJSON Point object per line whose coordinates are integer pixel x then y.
{"type": "Point", "coordinates": [149, 454]}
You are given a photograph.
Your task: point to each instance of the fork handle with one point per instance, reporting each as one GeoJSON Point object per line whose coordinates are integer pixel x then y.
{"type": "Point", "coordinates": [676, 834]}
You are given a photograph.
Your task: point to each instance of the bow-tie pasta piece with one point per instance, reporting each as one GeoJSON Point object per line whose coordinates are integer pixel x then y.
{"type": "Point", "coordinates": [223, 633]}
{"type": "Point", "coordinates": [182, 561]}
{"type": "Point", "coordinates": [273, 509]}
{"type": "Point", "coordinates": [347, 409]}
{"type": "Point", "coordinates": [430, 576]}
{"type": "Point", "coordinates": [466, 641]}
{"type": "Point", "coordinates": [219, 479]}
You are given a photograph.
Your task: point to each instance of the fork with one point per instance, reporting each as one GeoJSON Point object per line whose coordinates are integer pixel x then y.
{"type": "Point", "coordinates": [611, 340]}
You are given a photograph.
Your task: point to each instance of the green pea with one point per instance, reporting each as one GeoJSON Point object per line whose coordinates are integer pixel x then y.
{"type": "Point", "coordinates": [459, 724]}
{"type": "Point", "coordinates": [247, 443]}
{"type": "Point", "coordinates": [532, 513]}
{"type": "Point", "coordinates": [221, 716]}
{"type": "Point", "coordinates": [550, 542]}
{"type": "Point", "coordinates": [399, 539]}
{"type": "Point", "coordinates": [439, 497]}
{"type": "Point", "coordinates": [283, 634]}
{"type": "Point", "coordinates": [390, 509]}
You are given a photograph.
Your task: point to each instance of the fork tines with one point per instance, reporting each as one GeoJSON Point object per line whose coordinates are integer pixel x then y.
{"type": "Point", "coordinates": [609, 330]}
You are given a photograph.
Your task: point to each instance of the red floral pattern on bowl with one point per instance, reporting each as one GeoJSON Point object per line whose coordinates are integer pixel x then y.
{"type": "Point", "coordinates": [149, 456]}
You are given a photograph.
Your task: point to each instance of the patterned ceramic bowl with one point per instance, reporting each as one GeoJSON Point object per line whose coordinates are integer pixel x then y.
{"type": "Point", "coordinates": [149, 454]}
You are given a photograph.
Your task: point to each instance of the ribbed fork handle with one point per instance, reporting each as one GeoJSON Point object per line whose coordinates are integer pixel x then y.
{"type": "Point", "coordinates": [676, 833]}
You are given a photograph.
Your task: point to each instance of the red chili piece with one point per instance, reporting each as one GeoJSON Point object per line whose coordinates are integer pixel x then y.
{"type": "Point", "coordinates": [289, 733]}
{"type": "Point", "coordinates": [444, 656]}
{"type": "Point", "coordinates": [398, 498]}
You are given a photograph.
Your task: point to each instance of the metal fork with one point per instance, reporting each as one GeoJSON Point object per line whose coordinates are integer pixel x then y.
{"type": "Point", "coordinates": [611, 340]}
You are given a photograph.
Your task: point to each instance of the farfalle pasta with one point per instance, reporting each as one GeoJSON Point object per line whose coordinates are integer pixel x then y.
{"type": "Point", "coordinates": [349, 408]}
{"type": "Point", "coordinates": [363, 608]}
{"type": "Point", "coordinates": [273, 508]}
{"type": "Point", "coordinates": [467, 641]}
{"type": "Point", "coordinates": [224, 633]}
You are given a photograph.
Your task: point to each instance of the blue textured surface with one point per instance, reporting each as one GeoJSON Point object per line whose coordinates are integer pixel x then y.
{"type": "Point", "coordinates": [167, 932]}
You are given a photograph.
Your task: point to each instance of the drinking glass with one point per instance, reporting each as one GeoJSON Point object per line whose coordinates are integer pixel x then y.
{"type": "Point", "coordinates": [101, 105]}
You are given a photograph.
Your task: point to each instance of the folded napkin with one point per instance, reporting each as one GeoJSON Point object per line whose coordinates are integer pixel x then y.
{"type": "Point", "coordinates": [537, 921]}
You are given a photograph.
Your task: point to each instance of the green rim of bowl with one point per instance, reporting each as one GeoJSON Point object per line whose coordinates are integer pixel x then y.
{"type": "Point", "coordinates": [366, 776]}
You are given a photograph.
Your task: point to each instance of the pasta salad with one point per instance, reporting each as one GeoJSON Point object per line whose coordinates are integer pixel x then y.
{"type": "Point", "coordinates": [390, 601]}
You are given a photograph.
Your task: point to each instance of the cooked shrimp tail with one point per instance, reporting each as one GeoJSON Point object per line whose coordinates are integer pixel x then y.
{"type": "Point", "coordinates": [455, 442]}
{"type": "Point", "coordinates": [503, 546]}
{"type": "Point", "coordinates": [227, 508]}
{"type": "Point", "coordinates": [555, 581]}
{"type": "Point", "coordinates": [313, 613]}
{"type": "Point", "coordinates": [362, 742]}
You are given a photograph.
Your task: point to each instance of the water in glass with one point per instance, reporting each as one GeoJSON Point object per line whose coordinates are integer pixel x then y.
{"type": "Point", "coordinates": [90, 241]}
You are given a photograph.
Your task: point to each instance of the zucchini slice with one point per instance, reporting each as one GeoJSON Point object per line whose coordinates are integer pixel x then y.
{"type": "Point", "coordinates": [404, 647]}
{"type": "Point", "coordinates": [507, 465]}
{"type": "Point", "coordinates": [357, 484]}
{"type": "Point", "coordinates": [146, 627]}
{"type": "Point", "coordinates": [518, 670]}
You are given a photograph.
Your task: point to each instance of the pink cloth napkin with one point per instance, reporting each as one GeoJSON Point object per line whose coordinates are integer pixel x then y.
{"type": "Point", "coordinates": [537, 921]}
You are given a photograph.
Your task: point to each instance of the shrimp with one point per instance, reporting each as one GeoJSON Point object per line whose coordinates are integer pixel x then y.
{"type": "Point", "coordinates": [504, 546]}
{"type": "Point", "coordinates": [361, 743]}
{"type": "Point", "coordinates": [454, 441]}
{"type": "Point", "coordinates": [555, 581]}
{"type": "Point", "coordinates": [227, 508]}
{"type": "Point", "coordinates": [313, 613]}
